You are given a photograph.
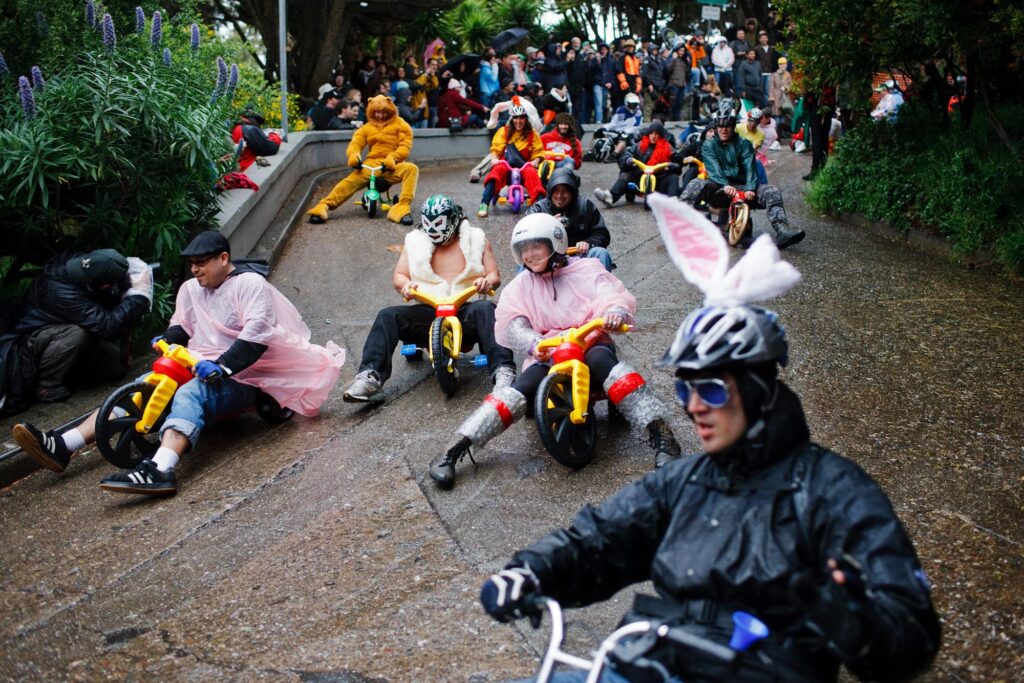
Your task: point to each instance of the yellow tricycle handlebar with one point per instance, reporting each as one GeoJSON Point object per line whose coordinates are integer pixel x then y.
{"type": "Point", "coordinates": [654, 168]}
{"type": "Point", "coordinates": [454, 300]}
{"type": "Point", "coordinates": [701, 173]}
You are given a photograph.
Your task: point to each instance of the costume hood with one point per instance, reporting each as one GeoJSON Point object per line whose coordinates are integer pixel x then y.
{"type": "Point", "coordinates": [380, 103]}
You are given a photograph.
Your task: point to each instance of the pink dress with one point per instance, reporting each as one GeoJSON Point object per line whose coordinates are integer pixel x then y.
{"type": "Point", "coordinates": [552, 303]}
{"type": "Point", "coordinates": [298, 374]}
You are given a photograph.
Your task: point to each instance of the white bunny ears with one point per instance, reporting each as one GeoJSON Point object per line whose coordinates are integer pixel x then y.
{"type": "Point", "coordinates": [699, 251]}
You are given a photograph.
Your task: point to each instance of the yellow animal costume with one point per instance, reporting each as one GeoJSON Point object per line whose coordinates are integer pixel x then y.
{"type": "Point", "coordinates": [389, 140]}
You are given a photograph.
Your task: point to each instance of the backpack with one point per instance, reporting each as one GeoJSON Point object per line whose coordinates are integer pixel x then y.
{"type": "Point", "coordinates": [18, 374]}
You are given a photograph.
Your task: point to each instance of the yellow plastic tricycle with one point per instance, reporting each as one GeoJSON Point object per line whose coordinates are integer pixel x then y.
{"type": "Point", "coordinates": [562, 406]}
{"type": "Point", "coordinates": [446, 341]}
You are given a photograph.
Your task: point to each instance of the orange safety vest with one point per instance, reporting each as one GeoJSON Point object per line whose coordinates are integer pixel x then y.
{"type": "Point", "coordinates": [631, 67]}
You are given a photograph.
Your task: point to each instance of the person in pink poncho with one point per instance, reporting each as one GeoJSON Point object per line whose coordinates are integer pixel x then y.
{"type": "Point", "coordinates": [251, 340]}
{"type": "Point", "coordinates": [553, 294]}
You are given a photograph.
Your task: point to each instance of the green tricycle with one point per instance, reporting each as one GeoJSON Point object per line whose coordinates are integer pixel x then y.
{"type": "Point", "coordinates": [372, 199]}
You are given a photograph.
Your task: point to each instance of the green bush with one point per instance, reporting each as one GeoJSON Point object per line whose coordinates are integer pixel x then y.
{"type": "Point", "coordinates": [919, 172]}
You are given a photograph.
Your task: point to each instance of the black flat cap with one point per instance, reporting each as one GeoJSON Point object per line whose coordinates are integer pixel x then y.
{"type": "Point", "coordinates": [209, 243]}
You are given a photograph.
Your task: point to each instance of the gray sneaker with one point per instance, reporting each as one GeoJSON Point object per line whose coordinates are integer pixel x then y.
{"type": "Point", "coordinates": [504, 377]}
{"type": "Point", "coordinates": [365, 389]}
{"type": "Point", "coordinates": [604, 196]}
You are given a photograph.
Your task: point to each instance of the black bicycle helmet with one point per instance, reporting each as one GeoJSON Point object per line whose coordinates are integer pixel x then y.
{"type": "Point", "coordinates": [734, 337]}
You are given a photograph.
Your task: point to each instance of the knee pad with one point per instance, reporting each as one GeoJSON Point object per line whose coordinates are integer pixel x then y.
{"type": "Point", "coordinates": [498, 411]}
{"type": "Point", "coordinates": [628, 391]}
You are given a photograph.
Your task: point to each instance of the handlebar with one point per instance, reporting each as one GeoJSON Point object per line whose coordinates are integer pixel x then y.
{"type": "Point", "coordinates": [373, 169]}
{"type": "Point", "coordinates": [177, 353]}
{"type": "Point", "coordinates": [576, 335]}
{"type": "Point", "coordinates": [650, 169]}
{"type": "Point", "coordinates": [455, 300]}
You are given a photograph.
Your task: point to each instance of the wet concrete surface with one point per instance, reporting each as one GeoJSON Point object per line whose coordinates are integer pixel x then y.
{"type": "Point", "coordinates": [318, 550]}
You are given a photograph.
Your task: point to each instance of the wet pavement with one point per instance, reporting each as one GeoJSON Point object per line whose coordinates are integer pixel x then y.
{"type": "Point", "coordinates": [318, 550]}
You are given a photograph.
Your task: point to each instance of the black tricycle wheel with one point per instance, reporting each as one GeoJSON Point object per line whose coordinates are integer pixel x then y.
{"type": "Point", "coordinates": [570, 444]}
{"type": "Point", "coordinates": [371, 207]}
{"type": "Point", "coordinates": [116, 438]}
{"type": "Point", "coordinates": [271, 411]}
{"type": "Point", "coordinates": [440, 352]}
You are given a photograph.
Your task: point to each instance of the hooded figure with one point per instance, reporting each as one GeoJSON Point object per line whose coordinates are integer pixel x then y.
{"type": "Point", "coordinates": [388, 141]}
{"type": "Point", "coordinates": [583, 223]}
{"type": "Point", "coordinates": [556, 69]}
{"type": "Point", "coordinates": [403, 100]}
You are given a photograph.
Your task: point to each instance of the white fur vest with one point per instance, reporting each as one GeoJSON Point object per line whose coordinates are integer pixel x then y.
{"type": "Point", "coordinates": [419, 249]}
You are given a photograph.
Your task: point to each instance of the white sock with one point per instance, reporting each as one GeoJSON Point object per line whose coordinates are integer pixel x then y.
{"type": "Point", "coordinates": [73, 440]}
{"type": "Point", "coordinates": [165, 459]}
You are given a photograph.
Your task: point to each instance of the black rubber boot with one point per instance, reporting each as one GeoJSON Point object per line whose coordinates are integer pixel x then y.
{"type": "Point", "coordinates": [443, 470]}
{"type": "Point", "coordinates": [666, 449]}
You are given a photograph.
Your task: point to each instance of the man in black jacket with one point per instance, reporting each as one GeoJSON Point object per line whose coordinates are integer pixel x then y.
{"type": "Point", "coordinates": [583, 222]}
{"type": "Point", "coordinates": [78, 310]}
{"type": "Point", "coordinates": [764, 521]}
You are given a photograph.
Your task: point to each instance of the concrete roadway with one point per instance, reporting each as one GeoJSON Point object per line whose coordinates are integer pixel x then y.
{"type": "Point", "coordinates": [319, 551]}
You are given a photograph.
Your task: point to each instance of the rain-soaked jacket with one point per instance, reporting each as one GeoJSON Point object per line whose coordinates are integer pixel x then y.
{"type": "Point", "coordinates": [732, 538]}
{"type": "Point", "coordinates": [731, 163]}
{"type": "Point", "coordinates": [245, 307]}
{"type": "Point", "coordinates": [583, 222]}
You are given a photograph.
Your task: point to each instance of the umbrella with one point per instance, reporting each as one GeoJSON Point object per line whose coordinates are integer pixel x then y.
{"type": "Point", "coordinates": [463, 66]}
{"type": "Point", "coordinates": [508, 38]}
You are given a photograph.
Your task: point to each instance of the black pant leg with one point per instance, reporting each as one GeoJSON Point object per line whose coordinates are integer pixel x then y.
{"type": "Point", "coordinates": [600, 359]}
{"type": "Point", "coordinates": [392, 325]}
{"type": "Point", "coordinates": [477, 319]}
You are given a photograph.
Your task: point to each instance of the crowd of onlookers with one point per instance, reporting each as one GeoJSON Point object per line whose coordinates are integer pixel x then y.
{"type": "Point", "coordinates": [676, 78]}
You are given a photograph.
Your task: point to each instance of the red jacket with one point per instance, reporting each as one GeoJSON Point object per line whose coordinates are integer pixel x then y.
{"type": "Point", "coordinates": [451, 105]}
{"type": "Point", "coordinates": [553, 142]}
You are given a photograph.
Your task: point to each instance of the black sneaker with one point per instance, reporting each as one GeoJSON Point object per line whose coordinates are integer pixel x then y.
{"type": "Point", "coordinates": [56, 394]}
{"type": "Point", "coordinates": [666, 449]}
{"type": "Point", "coordinates": [406, 219]}
{"type": "Point", "coordinates": [46, 449]}
{"type": "Point", "coordinates": [443, 471]}
{"type": "Point", "coordinates": [145, 479]}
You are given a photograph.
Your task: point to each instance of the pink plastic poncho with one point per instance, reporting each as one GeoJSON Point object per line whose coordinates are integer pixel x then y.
{"type": "Point", "coordinates": [573, 295]}
{"type": "Point", "coordinates": [298, 374]}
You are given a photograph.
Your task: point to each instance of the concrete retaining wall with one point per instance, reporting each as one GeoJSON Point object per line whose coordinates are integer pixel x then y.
{"type": "Point", "coordinates": [246, 216]}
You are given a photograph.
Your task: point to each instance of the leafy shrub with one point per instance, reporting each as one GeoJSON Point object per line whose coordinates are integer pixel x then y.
{"type": "Point", "coordinates": [919, 172]}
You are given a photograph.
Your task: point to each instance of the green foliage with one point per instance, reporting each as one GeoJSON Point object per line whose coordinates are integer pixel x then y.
{"type": "Point", "coordinates": [122, 152]}
{"type": "Point", "coordinates": [916, 172]}
{"type": "Point", "coordinates": [471, 24]}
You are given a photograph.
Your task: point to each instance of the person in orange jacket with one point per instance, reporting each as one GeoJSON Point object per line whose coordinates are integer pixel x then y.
{"type": "Point", "coordinates": [628, 76]}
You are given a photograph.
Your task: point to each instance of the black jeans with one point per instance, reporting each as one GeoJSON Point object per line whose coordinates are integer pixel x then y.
{"type": "Point", "coordinates": [600, 359]}
{"type": "Point", "coordinates": [411, 325]}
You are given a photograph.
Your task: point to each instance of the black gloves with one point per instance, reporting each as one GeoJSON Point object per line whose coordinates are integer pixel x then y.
{"type": "Point", "coordinates": [837, 612]}
{"type": "Point", "coordinates": [511, 594]}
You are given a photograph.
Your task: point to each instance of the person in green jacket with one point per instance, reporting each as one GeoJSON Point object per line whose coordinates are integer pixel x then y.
{"type": "Point", "coordinates": [730, 166]}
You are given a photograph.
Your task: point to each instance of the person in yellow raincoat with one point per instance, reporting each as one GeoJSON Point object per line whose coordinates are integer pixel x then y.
{"type": "Point", "coordinates": [388, 140]}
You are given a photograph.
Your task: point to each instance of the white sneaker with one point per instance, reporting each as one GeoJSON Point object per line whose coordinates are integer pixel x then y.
{"type": "Point", "coordinates": [604, 196]}
{"type": "Point", "coordinates": [366, 388]}
{"type": "Point", "coordinates": [474, 176]}
{"type": "Point", "coordinates": [504, 377]}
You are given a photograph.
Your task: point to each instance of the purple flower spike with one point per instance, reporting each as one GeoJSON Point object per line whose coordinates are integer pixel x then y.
{"type": "Point", "coordinates": [167, 56]}
{"type": "Point", "coordinates": [109, 36]}
{"type": "Point", "coordinates": [3, 66]}
{"type": "Point", "coordinates": [156, 32]}
{"type": "Point", "coordinates": [140, 20]}
{"type": "Point", "coordinates": [232, 80]}
{"type": "Point", "coordinates": [195, 37]}
{"type": "Point", "coordinates": [28, 100]}
{"type": "Point", "coordinates": [37, 78]}
{"type": "Point", "coordinates": [90, 13]}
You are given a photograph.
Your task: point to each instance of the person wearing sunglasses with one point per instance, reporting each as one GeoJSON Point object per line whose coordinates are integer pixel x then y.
{"type": "Point", "coordinates": [763, 521]}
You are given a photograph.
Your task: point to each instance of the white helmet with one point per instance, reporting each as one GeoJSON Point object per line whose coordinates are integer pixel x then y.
{"type": "Point", "coordinates": [538, 226]}
{"type": "Point", "coordinates": [754, 114]}
{"type": "Point", "coordinates": [632, 98]}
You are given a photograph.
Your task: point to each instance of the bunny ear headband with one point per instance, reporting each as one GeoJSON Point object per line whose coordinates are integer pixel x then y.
{"type": "Point", "coordinates": [700, 252]}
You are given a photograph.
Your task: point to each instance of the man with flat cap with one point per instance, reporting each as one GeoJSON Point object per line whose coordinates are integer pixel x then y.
{"type": "Point", "coordinates": [78, 309]}
{"type": "Point", "coordinates": [250, 338]}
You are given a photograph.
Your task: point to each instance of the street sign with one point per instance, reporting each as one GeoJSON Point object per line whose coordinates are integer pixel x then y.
{"type": "Point", "coordinates": [720, 3]}
{"type": "Point", "coordinates": [711, 12]}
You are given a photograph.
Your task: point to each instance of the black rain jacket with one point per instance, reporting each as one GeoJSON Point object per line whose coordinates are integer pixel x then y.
{"type": "Point", "coordinates": [583, 221]}
{"type": "Point", "coordinates": [738, 536]}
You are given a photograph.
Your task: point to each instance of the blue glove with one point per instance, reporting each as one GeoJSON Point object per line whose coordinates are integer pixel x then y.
{"type": "Point", "coordinates": [511, 594]}
{"type": "Point", "coordinates": [207, 371]}
{"type": "Point", "coordinates": [154, 340]}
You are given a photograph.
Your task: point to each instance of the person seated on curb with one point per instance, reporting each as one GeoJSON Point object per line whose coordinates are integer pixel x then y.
{"type": "Point", "coordinates": [562, 139]}
{"type": "Point", "coordinates": [251, 339]}
{"type": "Point", "coordinates": [444, 256]}
{"type": "Point", "coordinates": [731, 167]}
{"type": "Point", "coordinates": [519, 145]}
{"type": "Point", "coordinates": [584, 226]}
{"type": "Point", "coordinates": [457, 112]}
{"type": "Point", "coordinates": [556, 293]}
{"type": "Point", "coordinates": [499, 118]}
{"type": "Point", "coordinates": [76, 314]}
{"type": "Point", "coordinates": [389, 141]}
{"type": "Point", "coordinates": [257, 142]}
{"type": "Point", "coordinates": [653, 148]}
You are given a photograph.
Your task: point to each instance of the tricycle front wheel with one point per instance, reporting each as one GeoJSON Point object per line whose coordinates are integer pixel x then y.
{"type": "Point", "coordinates": [570, 444]}
{"type": "Point", "coordinates": [116, 437]}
